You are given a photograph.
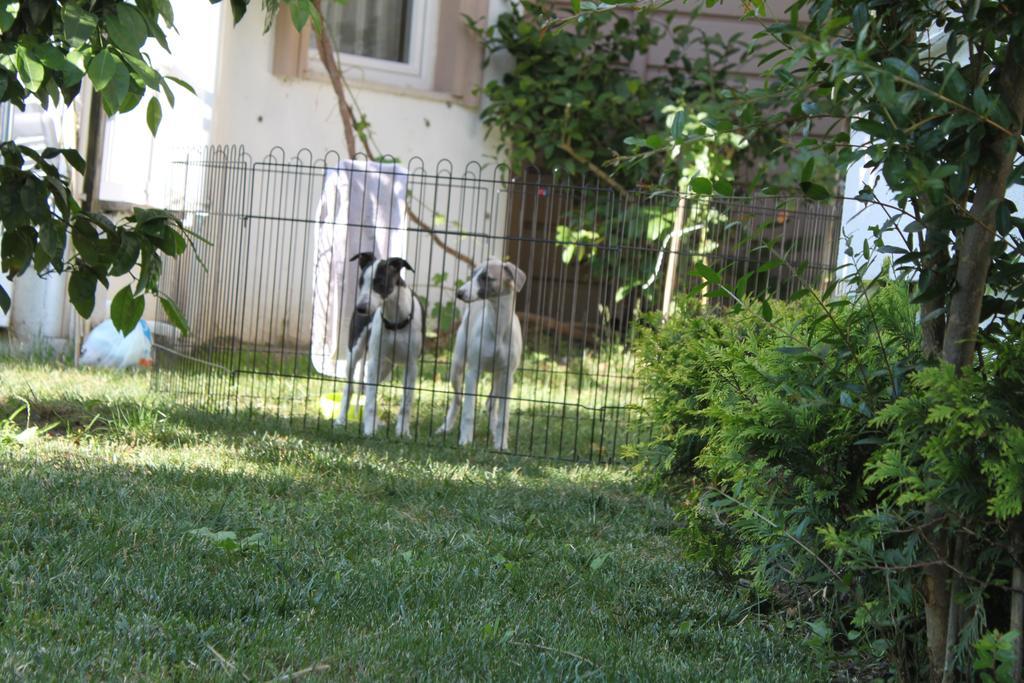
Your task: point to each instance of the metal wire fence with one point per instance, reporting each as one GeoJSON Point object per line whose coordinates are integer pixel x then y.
{"type": "Point", "coordinates": [269, 296]}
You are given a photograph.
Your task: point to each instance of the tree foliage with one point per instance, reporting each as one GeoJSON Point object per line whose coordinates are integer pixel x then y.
{"type": "Point", "coordinates": [572, 97]}
{"type": "Point", "coordinates": [936, 91]}
{"type": "Point", "coordinates": [47, 49]}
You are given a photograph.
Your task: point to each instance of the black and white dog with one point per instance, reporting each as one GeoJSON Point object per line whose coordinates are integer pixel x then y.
{"type": "Point", "coordinates": [386, 328]}
{"type": "Point", "coordinates": [489, 338]}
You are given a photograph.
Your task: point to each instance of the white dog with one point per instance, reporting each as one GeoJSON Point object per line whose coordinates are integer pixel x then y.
{"type": "Point", "coordinates": [489, 339]}
{"type": "Point", "coordinates": [387, 326]}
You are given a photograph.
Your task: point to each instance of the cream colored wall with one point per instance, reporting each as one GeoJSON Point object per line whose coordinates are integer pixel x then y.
{"type": "Point", "coordinates": [254, 108]}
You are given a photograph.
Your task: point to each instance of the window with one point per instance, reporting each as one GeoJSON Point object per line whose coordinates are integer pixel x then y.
{"type": "Point", "coordinates": [383, 41]}
{"type": "Point", "coordinates": [379, 30]}
{"type": "Point", "coordinates": [418, 46]}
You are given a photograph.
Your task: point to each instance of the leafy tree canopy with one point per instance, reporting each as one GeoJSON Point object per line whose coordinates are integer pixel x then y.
{"type": "Point", "coordinates": [47, 49]}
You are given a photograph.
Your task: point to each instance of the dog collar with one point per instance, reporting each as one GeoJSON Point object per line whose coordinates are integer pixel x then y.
{"type": "Point", "coordinates": [397, 326]}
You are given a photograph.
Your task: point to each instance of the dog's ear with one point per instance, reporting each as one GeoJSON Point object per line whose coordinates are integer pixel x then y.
{"type": "Point", "coordinates": [365, 259]}
{"type": "Point", "coordinates": [399, 263]}
{"type": "Point", "coordinates": [514, 273]}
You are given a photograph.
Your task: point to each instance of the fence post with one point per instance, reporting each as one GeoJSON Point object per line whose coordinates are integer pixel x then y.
{"type": "Point", "coordinates": [675, 245]}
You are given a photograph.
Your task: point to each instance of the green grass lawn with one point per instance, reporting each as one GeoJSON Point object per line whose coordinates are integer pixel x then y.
{"type": "Point", "coordinates": [350, 560]}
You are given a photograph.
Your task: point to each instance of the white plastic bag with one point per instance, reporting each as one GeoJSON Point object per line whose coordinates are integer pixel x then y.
{"type": "Point", "coordinates": [105, 347]}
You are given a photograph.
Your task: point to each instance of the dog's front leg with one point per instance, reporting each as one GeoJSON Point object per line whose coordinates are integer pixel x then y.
{"type": "Point", "coordinates": [370, 409]}
{"type": "Point", "coordinates": [355, 356]}
{"type": "Point", "coordinates": [500, 413]}
{"type": "Point", "coordinates": [456, 404]}
{"type": "Point", "coordinates": [457, 372]}
{"type": "Point", "coordinates": [402, 427]}
{"type": "Point", "coordinates": [376, 369]}
{"type": "Point", "coordinates": [469, 406]}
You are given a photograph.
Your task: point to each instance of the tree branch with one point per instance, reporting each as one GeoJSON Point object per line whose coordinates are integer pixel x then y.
{"type": "Point", "coordinates": [451, 251]}
{"type": "Point", "coordinates": [594, 168]}
{"type": "Point", "coordinates": [325, 48]}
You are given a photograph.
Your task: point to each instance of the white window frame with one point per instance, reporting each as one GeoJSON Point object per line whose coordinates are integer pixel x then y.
{"type": "Point", "coordinates": [417, 73]}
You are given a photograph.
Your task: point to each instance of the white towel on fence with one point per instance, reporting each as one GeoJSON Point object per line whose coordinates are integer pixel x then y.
{"type": "Point", "coordinates": [361, 209]}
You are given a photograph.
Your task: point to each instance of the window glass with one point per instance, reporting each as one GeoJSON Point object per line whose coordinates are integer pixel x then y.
{"type": "Point", "coordinates": [379, 29]}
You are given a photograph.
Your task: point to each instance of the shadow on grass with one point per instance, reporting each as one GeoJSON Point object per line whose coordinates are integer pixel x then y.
{"type": "Point", "coordinates": [171, 424]}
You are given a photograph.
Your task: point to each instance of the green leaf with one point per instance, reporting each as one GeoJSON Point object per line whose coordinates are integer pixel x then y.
{"type": "Point", "coordinates": [815, 191]}
{"type": "Point", "coordinates": [655, 141]}
{"type": "Point", "coordinates": [149, 271]}
{"type": "Point", "coordinates": [82, 292]}
{"type": "Point", "coordinates": [766, 310]}
{"type": "Point", "coordinates": [143, 72]}
{"type": "Point", "coordinates": [127, 254]}
{"type": "Point", "coordinates": [174, 243]}
{"type": "Point", "coordinates": [133, 97]}
{"type": "Point", "coordinates": [103, 68]}
{"type": "Point", "coordinates": [30, 72]}
{"type": "Point", "coordinates": [168, 93]}
{"type": "Point", "coordinates": [820, 629]}
{"type": "Point", "coordinates": [898, 66]}
{"type": "Point", "coordinates": [71, 72]}
{"type": "Point", "coordinates": [38, 9]}
{"type": "Point", "coordinates": [705, 271]}
{"type": "Point", "coordinates": [701, 186]}
{"type": "Point", "coordinates": [126, 310]}
{"type": "Point", "coordinates": [5, 300]}
{"type": "Point", "coordinates": [807, 172]}
{"type": "Point", "coordinates": [183, 84]}
{"type": "Point", "coordinates": [117, 89]}
{"type": "Point", "coordinates": [981, 101]}
{"type": "Point", "coordinates": [8, 14]}
{"type": "Point", "coordinates": [53, 239]}
{"type": "Point", "coordinates": [166, 11]}
{"type": "Point", "coordinates": [16, 247]}
{"type": "Point", "coordinates": [238, 8]}
{"type": "Point", "coordinates": [127, 28]}
{"type": "Point", "coordinates": [79, 24]}
{"type": "Point", "coordinates": [770, 265]}
{"type": "Point", "coordinates": [153, 114]}
{"type": "Point", "coordinates": [314, 17]}
{"type": "Point", "coordinates": [723, 187]}
{"type": "Point", "coordinates": [598, 561]}
{"type": "Point", "coordinates": [299, 11]}
{"type": "Point", "coordinates": [873, 128]}
{"type": "Point", "coordinates": [174, 315]}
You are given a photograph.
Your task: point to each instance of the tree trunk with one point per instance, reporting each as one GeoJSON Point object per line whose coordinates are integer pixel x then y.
{"type": "Point", "coordinates": [953, 618]}
{"type": "Point", "coordinates": [1017, 594]}
{"type": "Point", "coordinates": [974, 244]}
{"type": "Point", "coordinates": [933, 317]}
{"type": "Point", "coordinates": [936, 614]}
{"type": "Point", "coordinates": [973, 251]}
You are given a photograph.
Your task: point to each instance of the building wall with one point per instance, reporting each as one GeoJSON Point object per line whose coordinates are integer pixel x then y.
{"type": "Point", "coordinates": [255, 108]}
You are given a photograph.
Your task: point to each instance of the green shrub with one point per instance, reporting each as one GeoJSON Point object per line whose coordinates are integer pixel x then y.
{"type": "Point", "coordinates": [570, 98]}
{"type": "Point", "coordinates": [828, 461]}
